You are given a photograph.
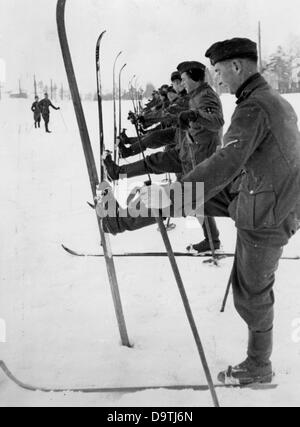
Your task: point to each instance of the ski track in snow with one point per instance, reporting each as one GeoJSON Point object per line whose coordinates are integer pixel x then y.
{"type": "Point", "coordinates": [61, 328]}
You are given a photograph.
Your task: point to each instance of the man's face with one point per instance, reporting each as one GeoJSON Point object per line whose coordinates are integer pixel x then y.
{"type": "Point", "coordinates": [228, 75]}
{"type": "Point", "coordinates": [172, 96]}
{"type": "Point", "coordinates": [188, 83]}
{"type": "Point", "coordinates": [178, 85]}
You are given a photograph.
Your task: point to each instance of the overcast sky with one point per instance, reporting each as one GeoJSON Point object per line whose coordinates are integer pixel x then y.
{"type": "Point", "coordinates": [155, 35]}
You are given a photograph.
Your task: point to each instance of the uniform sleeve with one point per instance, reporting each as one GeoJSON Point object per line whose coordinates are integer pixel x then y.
{"type": "Point", "coordinates": [51, 105]}
{"type": "Point", "coordinates": [164, 162]}
{"type": "Point", "coordinates": [152, 118]}
{"type": "Point", "coordinates": [210, 113]}
{"type": "Point", "coordinates": [33, 108]}
{"type": "Point", "coordinates": [248, 130]}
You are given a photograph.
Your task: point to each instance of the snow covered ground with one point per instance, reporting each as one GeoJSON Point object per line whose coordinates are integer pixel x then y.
{"type": "Point", "coordinates": [61, 330]}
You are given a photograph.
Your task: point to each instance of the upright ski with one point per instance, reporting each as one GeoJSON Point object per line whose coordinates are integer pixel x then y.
{"type": "Point", "coordinates": [116, 148]}
{"type": "Point", "coordinates": [91, 165]}
{"type": "Point", "coordinates": [99, 99]}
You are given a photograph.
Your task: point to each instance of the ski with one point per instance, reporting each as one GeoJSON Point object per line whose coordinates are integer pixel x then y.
{"type": "Point", "coordinates": [122, 390]}
{"type": "Point", "coordinates": [116, 149]}
{"type": "Point", "coordinates": [160, 254]}
{"type": "Point", "coordinates": [90, 160]}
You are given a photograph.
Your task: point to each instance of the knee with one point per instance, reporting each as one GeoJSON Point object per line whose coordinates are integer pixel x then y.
{"type": "Point", "coordinates": [256, 310]}
{"type": "Point", "coordinates": [119, 225]}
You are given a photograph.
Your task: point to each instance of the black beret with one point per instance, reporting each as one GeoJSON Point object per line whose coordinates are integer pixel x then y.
{"type": "Point", "coordinates": [171, 90]}
{"type": "Point", "coordinates": [230, 49]}
{"type": "Point", "coordinates": [175, 76]}
{"type": "Point", "coordinates": [184, 67]}
{"type": "Point", "coordinates": [163, 89]}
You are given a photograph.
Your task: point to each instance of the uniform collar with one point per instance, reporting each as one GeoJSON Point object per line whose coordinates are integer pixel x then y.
{"type": "Point", "coordinates": [249, 86]}
{"type": "Point", "coordinates": [198, 89]}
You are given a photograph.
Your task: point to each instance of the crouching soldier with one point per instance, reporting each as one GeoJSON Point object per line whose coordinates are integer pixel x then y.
{"type": "Point", "coordinates": [254, 179]}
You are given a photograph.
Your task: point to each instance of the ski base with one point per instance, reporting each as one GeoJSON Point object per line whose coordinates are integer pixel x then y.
{"type": "Point", "coordinates": [146, 254]}
{"type": "Point", "coordinates": [219, 255]}
{"type": "Point", "coordinates": [124, 390]}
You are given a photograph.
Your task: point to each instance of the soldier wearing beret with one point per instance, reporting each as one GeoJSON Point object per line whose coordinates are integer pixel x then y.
{"type": "Point", "coordinates": [198, 138]}
{"type": "Point", "coordinates": [255, 180]}
{"type": "Point", "coordinates": [168, 117]}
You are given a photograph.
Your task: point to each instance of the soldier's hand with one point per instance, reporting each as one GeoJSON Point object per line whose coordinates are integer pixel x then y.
{"type": "Point", "coordinates": [185, 118]}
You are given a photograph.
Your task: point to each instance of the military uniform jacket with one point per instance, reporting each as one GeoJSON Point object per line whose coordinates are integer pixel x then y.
{"type": "Point", "coordinates": [44, 106]}
{"type": "Point", "coordinates": [36, 110]}
{"type": "Point", "coordinates": [260, 161]}
{"type": "Point", "coordinates": [204, 135]}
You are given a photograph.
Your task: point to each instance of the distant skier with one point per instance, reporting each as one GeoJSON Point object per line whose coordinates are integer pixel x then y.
{"type": "Point", "coordinates": [44, 105]}
{"type": "Point", "coordinates": [36, 113]}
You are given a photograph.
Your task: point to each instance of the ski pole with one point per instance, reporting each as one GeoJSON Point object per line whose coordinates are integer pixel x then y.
{"type": "Point", "coordinates": [169, 225]}
{"type": "Point", "coordinates": [62, 117]}
{"type": "Point", "coordinates": [188, 311]}
{"type": "Point", "coordinates": [226, 294]}
{"type": "Point", "coordinates": [120, 104]}
{"type": "Point", "coordinates": [130, 86]}
{"type": "Point", "coordinates": [183, 294]}
{"type": "Point", "coordinates": [206, 222]}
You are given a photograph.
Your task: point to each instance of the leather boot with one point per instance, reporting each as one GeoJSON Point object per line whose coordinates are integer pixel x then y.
{"type": "Point", "coordinates": [260, 347]}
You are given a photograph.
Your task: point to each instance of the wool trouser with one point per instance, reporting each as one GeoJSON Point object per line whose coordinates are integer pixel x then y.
{"type": "Point", "coordinates": [256, 261]}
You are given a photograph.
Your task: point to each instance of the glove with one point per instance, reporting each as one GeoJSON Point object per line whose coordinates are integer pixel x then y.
{"type": "Point", "coordinates": [185, 118]}
{"type": "Point", "coordinates": [132, 118]}
{"type": "Point", "coordinates": [167, 119]}
{"type": "Point", "coordinates": [155, 197]}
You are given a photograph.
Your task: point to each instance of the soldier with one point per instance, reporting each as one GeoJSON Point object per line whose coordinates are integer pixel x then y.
{"type": "Point", "coordinates": [163, 137]}
{"type": "Point", "coordinates": [254, 179]}
{"type": "Point", "coordinates": [36, 113]}
{"type": "Point", "coordinates": [198, 138]}
{"type": "Point", "coordinates": [44, 106]}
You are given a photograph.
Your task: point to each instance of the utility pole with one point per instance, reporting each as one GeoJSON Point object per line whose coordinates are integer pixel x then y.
{"type": "Point", "coordinates": [34, 86]}
{"type": "Point", "coordinates": [51, 88]}
{"type": "Point", "coordinates": [260, 66]}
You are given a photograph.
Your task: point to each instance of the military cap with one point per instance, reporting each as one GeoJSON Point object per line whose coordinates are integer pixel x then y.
{"type": "Point", "coordinates": [171, 89]}
{"type": "Point", "coordinates": [163, 89]}
{"type": "Point", "coordinates": [230, 49]}
{"type": "Point", "coordinates": [184, 67]}
{"type": "Point", "coordinates": [175, 76]}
